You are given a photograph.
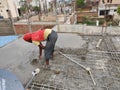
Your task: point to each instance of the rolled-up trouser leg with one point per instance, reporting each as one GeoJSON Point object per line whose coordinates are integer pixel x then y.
{"type": "Point", "coordinates": [49, 49]}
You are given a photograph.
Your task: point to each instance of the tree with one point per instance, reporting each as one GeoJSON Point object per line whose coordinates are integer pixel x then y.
{"type": "Point", "coordinates": [118, 10]}
{"type": "Point", "coordinates": [37, 6]}
{"type": "Point", "coordinates": [23, 10]}
{"type": "Point", "coordinates": [23, 6]}
{"type": "Point", "coordinates": [36, 9]}
{"type": "Point", "coordinates": [80, 3]}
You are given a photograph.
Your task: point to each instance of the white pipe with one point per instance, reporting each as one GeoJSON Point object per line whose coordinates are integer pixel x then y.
{"type": "Point", "coordinates": [34, 73]}
{"type": "Point", "coordinates": [86, 68]}
{"type": "Point", "coordinates": [73, 60]}
{"type": "Point", "coordinates": [99, 42]}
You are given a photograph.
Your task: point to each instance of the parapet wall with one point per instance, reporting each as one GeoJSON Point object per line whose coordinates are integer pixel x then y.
{"type": "Point", "coordinates": [83, 29]}
{"type": "Point", "coordinates": [22, 28]}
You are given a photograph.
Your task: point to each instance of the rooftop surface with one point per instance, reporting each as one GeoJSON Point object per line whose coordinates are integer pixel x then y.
{"type": "Point", "coordinates": [20, 57]}
{"type": "Point", "coordinates": [17, 55]}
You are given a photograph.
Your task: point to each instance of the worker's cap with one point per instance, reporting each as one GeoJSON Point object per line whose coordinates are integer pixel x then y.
{"type": "Point", "coordinates": [27, 37]}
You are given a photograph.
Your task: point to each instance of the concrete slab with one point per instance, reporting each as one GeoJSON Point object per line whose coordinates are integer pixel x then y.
{"type": "Point", "coordinates": [69, 41]}
{"type": "Point", "coordinates": [17, 55]}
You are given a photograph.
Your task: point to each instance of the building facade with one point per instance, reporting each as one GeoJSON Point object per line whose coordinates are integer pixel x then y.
{"type": "Point", "coordinates": [8, 8]}
{"type": "Point", "coordinates": [108, 8]}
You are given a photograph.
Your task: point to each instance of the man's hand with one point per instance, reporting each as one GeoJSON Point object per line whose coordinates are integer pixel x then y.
{"type": "Point", "coordinates": [40, 52]}
{"type": "Point", "coordinates": [40, 57]}
{"type": "Point", "coordinates": [41, 45]}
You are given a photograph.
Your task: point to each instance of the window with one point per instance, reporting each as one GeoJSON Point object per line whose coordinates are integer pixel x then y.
{"type": "Point", "coordinates": [104, 12]}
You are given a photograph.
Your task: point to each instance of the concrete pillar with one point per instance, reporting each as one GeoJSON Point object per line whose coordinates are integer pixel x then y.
{"type": "Point", "coordinates": [97, 22]}
{"type": "Point", "coordinates": [119, 23]}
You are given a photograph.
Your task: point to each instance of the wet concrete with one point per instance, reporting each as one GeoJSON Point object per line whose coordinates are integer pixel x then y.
{"type": "Point", "coordinates": [73, 77]}
{"type": "Point", "coordinates": [21, 58]}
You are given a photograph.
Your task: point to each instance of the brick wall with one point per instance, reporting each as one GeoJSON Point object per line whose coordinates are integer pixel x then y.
{"type": "Point", "coordinates": [81, 15]}
{"type": "Point", "coordinates": [23, 28]}
{"type": "Point", "coordinates": [6, 27]}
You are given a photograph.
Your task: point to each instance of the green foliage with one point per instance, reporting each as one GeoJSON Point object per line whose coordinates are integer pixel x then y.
{"type": "Point", "coordinates": [36, 8]}
{"type": "Point", "coordinates": [101, 22]}
{"type": "Point", "coordinates": [118, 10]}
{"type": "Point", "coordinates": [89, 22]}
{"type": "Point", "coordinates": [50, 9]}
{"type": "Point", "coordinates": [80, 9]}
{"type": "Point", "coordinates": [23, 9]}
{"type": "Point", "coordinates": [80, 3]}
{"type": "Point", "coordinates": [23, 6]}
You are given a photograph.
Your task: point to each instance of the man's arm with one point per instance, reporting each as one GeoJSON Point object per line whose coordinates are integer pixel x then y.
{"type": "Point", "coordinates": [41, 45]}
{"type": "Point", "coordinates": [40, 49]}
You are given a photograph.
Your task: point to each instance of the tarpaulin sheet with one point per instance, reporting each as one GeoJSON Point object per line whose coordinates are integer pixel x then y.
{"type": "Point", "coordinates": [4, 40]}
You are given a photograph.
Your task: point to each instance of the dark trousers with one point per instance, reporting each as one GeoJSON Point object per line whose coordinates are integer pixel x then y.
{"type": "Point", "coordinates": [50, 45]}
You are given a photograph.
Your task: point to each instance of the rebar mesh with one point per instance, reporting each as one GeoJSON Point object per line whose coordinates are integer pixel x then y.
{"type": "Point", "coordinates": [103, 62]}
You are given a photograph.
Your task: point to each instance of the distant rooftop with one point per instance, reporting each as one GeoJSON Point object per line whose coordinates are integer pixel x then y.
{"type": "Point", "coordinates": [113, 1]}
